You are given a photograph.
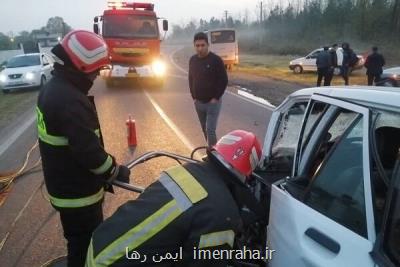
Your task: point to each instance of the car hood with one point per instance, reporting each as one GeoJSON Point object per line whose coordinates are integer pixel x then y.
{"type": "Point", "coordinates": [22, 70]}
{"type": "Point", "coordinates": [392, 71]}
{"type": "Point", "coordinates": [297, 60]}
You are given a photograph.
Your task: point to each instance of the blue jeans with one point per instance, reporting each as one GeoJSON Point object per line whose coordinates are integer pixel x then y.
{"type": "Point", "coordinates": [208, 114]}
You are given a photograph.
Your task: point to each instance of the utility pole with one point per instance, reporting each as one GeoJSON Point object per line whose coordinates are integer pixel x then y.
{"type": "Point", "coordinates": [226, 18]}
{"type": "Point", "coordinates": [261, 11]}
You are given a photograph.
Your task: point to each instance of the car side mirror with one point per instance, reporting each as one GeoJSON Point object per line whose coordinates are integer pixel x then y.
{"type": "Point", "coordinates": [165, 25]}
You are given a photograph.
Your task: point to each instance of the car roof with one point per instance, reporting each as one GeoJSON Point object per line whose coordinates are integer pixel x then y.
{"type": "Point", "coordinates": [380, 97]}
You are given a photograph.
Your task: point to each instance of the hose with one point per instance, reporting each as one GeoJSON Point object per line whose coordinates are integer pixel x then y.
{"type": "Point", "coordinates": [7, 180]}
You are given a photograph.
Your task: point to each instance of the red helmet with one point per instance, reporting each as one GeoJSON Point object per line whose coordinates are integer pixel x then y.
{"type": "Point", "coordinates": [87, 50]}
{"type": "Point", "coordinates": [240, 152]}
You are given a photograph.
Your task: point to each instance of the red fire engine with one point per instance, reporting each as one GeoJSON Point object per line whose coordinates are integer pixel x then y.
{"type": "Point", "coordinates": [132, 33]}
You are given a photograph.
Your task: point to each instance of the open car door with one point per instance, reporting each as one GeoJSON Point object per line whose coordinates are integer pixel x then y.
{"type": "Point", "coordinates": [387, 247]}
{"type": "Point", "coordinates": [281, 139]}
{"type": "Point", "coordinates": [323, 214]}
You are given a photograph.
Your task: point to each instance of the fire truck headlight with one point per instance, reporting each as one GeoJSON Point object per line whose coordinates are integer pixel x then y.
{"type": "Point", "coordinates": [159, 68]}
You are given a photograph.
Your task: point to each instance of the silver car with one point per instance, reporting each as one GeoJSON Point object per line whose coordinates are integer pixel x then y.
{"type": "Point", "coordinates": [390, 78]}
{"type": "Point", "coordinates": [27, 70]}
{"type": "Point", "coordinates": [309, 62]}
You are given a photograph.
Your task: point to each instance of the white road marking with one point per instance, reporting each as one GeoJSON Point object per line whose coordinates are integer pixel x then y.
{"type": "Point", "coordinates": [17, 133]}
{"type": "Point", "coordinates": [171, 58]}
{"type": "Point", "coordinates": [170, 123]}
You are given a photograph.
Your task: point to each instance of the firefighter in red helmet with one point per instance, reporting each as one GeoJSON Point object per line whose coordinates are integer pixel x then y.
{"type": "Point", "coordinates": [75, 165]}
{"type": "Point", "coordinates": [190, 208]}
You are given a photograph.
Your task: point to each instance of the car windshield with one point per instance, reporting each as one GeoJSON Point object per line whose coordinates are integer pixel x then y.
{"type": "Point", "coordinates": [23, 61]}
{"type": "Point", "coordinates": [220, 37]}
{"type": "Point", "coordinates": [130, 26]}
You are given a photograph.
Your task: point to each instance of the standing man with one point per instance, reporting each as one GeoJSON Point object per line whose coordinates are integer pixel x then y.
{"type": "Point", "coordinates": [324, 65]}
{"type": "Point", "coordinates": [207, 82]}
{"type": "Point", "coordinates": [334, 62]}
{"type": "Point", "coordinates": [374, 64]}
{"type": "Point", "coordinates": [350, 59]}
{"type": "Point", "coordinates": [75, 165]}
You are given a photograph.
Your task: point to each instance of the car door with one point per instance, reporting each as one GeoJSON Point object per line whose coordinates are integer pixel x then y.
{"type": "Point", "coordinates": [310, 62]}
{"type": "Point", "coordinates": [281, 139]}
{"type": "Point", "coordinates": [387, 248]}
{"type": "Point", "coordinates": [323, 215]}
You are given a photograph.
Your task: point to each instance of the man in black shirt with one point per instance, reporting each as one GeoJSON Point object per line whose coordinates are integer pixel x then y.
{"type": "Point", "coordinates": [207, 82]}
{"type": "Point", "coordinates": [374, 64]}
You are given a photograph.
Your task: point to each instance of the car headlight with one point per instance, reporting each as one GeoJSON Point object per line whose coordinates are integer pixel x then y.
{"type": "Point", "coordinates": [30, 75]}
{"type": "Point", "coordinates": [159, 68]}
{"type": "Point", "coordinates": [3, 78]}
{"type": "Point", "coordinates": [291, 63]}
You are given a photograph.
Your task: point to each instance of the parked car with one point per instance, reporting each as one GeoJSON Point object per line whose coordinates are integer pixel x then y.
{"type": "Point", "coordinates": [390, 78]}
{"type": "Point", "coordinates": [309, 62]}
{"type": "Point", "coordinates": [27, 70]}
{"type": "Point", "coordinates": [332, 156]}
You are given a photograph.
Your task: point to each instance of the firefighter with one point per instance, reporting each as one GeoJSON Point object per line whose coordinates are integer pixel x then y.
{"type": "Point", "coordinates": [189, 210]}
{"type": "Point", "coordinates": [75, 165]}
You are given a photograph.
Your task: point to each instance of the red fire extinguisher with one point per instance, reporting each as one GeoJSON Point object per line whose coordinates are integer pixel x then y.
{"type": "Point", "coordinates": [131, 130]}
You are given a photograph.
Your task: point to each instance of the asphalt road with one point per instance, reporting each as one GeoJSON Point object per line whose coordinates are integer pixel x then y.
{"type": "Point", "coordinates": [165, 120]}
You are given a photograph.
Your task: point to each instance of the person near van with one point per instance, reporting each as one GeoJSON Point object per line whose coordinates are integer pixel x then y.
{"type": "Point", "coordinates": [374, 64]}
{"type": "Point", "coordinates": [207, 82]}
{"type": "Point", "coordinates": [350, 59]}
{"type": "Point", "coordinates": [324, 64]}
{"type": "Point", "coordinates": [334, 64]}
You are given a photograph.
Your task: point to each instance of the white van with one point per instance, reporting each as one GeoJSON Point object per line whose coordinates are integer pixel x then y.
{"type": "Point", "coordinates": [224, 43]}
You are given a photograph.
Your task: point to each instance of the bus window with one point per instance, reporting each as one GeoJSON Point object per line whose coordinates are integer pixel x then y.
{"type": "Point", "coordinates": [220, 37]}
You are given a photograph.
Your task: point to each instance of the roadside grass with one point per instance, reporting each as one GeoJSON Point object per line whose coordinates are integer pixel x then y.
{"type": "Point", "coordinates": [14, 104]}
{"type": "Point", "coordinates": [277, 67]}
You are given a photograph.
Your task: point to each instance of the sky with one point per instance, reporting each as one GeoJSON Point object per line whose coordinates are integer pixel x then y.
{"type": "Point", "coordinates": [16, 16]}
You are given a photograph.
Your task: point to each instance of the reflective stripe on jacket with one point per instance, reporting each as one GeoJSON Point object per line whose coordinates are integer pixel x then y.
{"type": "Point", "coordinates": [74, 161]}
{"type": "Point", "coordinates": [189, 207]}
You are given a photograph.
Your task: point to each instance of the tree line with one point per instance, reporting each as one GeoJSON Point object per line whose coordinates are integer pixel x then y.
{"type": "Point", "coordinates": [304, 24]}
{"type": "Point", "coordinates": [55, 25]}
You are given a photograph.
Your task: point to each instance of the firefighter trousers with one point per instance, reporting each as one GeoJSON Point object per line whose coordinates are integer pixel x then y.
{"type": "Point", "coordinates": [78, 225]}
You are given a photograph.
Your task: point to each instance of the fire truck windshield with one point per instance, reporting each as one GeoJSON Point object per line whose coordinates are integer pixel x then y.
{"type": "Point", "coordinates": [130, 26]}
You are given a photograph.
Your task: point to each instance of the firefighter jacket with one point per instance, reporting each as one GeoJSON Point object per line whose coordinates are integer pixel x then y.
{"type": "Point", "coordinates": [179, 220]}
{"type": "Point", "coordinates": [75, 164]}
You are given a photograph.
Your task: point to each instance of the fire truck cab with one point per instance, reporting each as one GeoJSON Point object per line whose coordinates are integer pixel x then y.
{"type": "Point", "coordinates": [132, 33]}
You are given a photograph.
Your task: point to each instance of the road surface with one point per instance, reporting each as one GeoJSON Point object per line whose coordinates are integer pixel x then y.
{"type": "Point", "coordinates": [165, 120]}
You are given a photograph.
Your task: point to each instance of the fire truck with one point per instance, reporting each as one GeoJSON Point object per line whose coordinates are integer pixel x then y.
{"type": "Point", "coordinates": [132, 33]}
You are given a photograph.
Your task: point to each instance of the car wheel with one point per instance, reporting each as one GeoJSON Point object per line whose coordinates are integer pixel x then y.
{"type": "Point", "coordinates": [336, 71]}
{"type": "Point", "coordinates": [6, 91]}
{"type": "Point", "coordinates": [298, 69]}
{"type": "Point", "coordinates": [389, 83]}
